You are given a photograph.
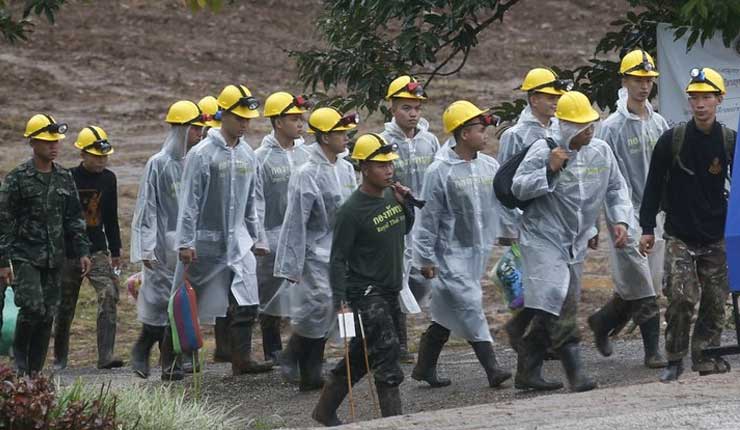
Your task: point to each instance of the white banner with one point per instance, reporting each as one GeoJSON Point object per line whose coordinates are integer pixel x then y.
{"type": "Point", "coordinates": [674, 64]}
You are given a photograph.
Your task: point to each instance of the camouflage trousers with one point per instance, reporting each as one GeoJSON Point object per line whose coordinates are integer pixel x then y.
{"type": "Point", "coordinates": [37, 292]}
{"type": "Point", "coordinates": [105, 283]}
{"type": "Point", "coordinates": [694, 274]}
{"type": "Point", "coordinates": [383, 348]}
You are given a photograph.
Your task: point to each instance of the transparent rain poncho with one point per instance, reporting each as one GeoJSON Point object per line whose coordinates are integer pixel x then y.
{"type": "Point", "coordinates": [276, 166]}
{"type": "Point", "coordinates": [154, 224]}
{"type": "Point", "coordinates": [218, 218]}
{"type": "Point", "coordinates": [524, 133]}
{"type": "Point", "coordinates": [557, 225]}
{"type": "Point", "coordinates": [456, 232]}
{"type": "Point", "coordinates": [415, 155]}
{"type": "Point", "coordinates": [315, 192]}
{"type": "Point", "coordinates": [632, 139]}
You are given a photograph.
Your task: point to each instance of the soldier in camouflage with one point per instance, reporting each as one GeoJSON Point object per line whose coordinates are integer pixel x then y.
{"type": "Point", "coordinates": [38, 207]}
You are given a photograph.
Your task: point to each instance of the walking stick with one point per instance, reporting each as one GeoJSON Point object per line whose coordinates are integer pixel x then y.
{"type": "Point", "coordinates": [370, 376]}
{"type": "Point", "coordinates": [346, 363]}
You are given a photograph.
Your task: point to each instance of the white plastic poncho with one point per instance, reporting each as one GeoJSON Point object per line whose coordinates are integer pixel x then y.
{"type": "Point", "coordinates": [632, 139]}
{"type": "Point", "coordinates": [276, 165]}
{"type": "Point", "coordinates": [557, 225]}
{"type": "Point", "coordinates": [218, 218]}
{"type": "Point", "coordinates": [154, 224]}
{"type": "Point", "coordinates": [415, 155]}
{"type": "Point", "coordinates": [315, 193]}
{"type": "Point", "coordinates": [527, 130]}
{"type": "Point", "coordinates": [456, 232]}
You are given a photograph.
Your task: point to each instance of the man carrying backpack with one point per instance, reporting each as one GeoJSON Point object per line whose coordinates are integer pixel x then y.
{"type": "Point", "coordinates": [631, 132]}
{"type": "Point", "coordinates": [689, 179]}
{"type": "Point", "coordinates": [567, 186]}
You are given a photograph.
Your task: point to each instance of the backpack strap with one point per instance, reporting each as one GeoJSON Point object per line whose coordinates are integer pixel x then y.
{"type": "Point", "coordinates": [729, 136]}
{"type": "Point", "coordinates": [679, 137]}
{"type": "Point", "coordinates": [552, 144]}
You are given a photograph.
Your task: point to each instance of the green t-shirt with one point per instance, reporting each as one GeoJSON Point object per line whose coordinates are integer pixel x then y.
{"type": "Point", "coordinates": [368, 245]}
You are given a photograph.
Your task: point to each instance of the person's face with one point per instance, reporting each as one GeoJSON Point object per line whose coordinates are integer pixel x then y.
{"type": "Point", "coordinates": [195, 134]}
{"type": "Point", "coordinates": [234, 125]}
{"type": "Point", "coordinates": [45, 150]}
{"type": "Point", "coordinates": [544, 104]}
{"type": "Point", "coordinates": [336, 141]}
{"type": "Point", "coordinates": [474, 136]}
{"type": "Point", "coordinates": [406, 112]}
{"type": "Point", "coordinates": [704, 105]}
{"type": "Point", "coordinates": [638, 87]}
{"type": "Point", "coordinates": [583, 138]}
{"type": "Point", "coordinates": [378, 173]}
{"type": "Point", "coordinates": [94, 163]}
{"type": "Point", "coordinates": [291, 126]}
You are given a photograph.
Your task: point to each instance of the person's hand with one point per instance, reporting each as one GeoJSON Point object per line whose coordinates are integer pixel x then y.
{"type": "Point", "coordinates": [188, 255]}
{"type": "Point", "coordinates": [6, 275]}
{"type": "Point", "coordinates": [260, 251]}
{"type": "Point", "coordinates": [620, 235]}
{"type": "Point", "coordinates": [149, 264]}
{"type": "Point", "coordinates": [85, 265]}
{"type": "Point", "coordinates": [647, 242]}
{"type": "Point", "coordinates": [558, 157]}
{"type": "Point", "coordinates": [429, 272]}
{"type": "Point", "coordinates": [400, 192]}
{"type": "Point", "coordinates": [506, 241]}
{"type": "Point", "coordinates": [115, 263]}
{"type": "Point", "coordinates": [593, 243]}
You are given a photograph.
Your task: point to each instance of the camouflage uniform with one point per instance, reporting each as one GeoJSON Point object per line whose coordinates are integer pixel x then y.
{"type": "Point", "coordinates": [694, 274]}
{"type": "Point", "coordinates": [37, 210]}
{"type": "Point", "coordinates": [105, 283]}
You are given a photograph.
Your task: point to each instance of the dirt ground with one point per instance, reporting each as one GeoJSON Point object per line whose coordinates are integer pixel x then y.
{"type": "Point", "coordinates": [120, 64]}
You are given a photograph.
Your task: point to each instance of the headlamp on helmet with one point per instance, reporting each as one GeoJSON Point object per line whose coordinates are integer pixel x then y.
{"type": "Point", "coordinates": [349, 119]}
{"type": "Point", "coordinates": [413, 87]}
{"type": "Point", "coordinates": [301, 102]}
{"type": "Point", "coordinates": [698, 76]}
{"type": "Point", "coordinates": [645, 65]}
{"type": "Point", "coordinates": [99, 144]}
{"type": "Point", "coordinates": [486, 120]}
{"type": "Point", "coordinates": [53, 127]}
{"type": "Point", "coordinates": [558, 84]}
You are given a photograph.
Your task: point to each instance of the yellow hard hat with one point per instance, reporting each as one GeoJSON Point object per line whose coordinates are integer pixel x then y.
{"type": "Point", "coordinates": [238, 100]}
{"type": "Point", "coordinates": [43, 127]}
{"type": "Point", "coordinates": [183, 112]}
{"type": "Point", "coordinates": [458, 113]}
{"type": "Point", "coordinates": [574, 106]}
{"type": "Point", "coordinates": [94, 140]}
{"type": "Point", "coordinates": [209, 108]}
{"type": "Point", "coordinates": [372, 147]}
{"type": "Point", "coordinates": [638, 63]}
{"type": "Point", "coordinates": [282, 103]}
{"type": "Point", "coordinates": [706, 80]}
{"type": "Point", "coordinates": [405, 87]}
{"type": "Point", "coordinates": [326, 119]}
{"type": "Point", "coordinates": [545, 81]}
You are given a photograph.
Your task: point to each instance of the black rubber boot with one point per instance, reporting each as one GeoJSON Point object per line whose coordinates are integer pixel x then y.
{"type": "Point", "coordinates": [389, 399]}
{"type": "Point", "coordinates": [106, 343]}
{"type": "Point", "coordinates": [21, 345]}
{"type": "Point", "coordinates": [650, 331]}
{"type": "Point", "coordinates": [612, 315]}
{"type": "Point", "coordinates": [570, 356]}
{"type": "Point", "coordinates": [332, 395]}
{"type": "Point", "coordinates": [487, 358]}
{"type": "Point", "coordinates": [272, 344]}
{"type": "Point", "coordinates": [430, 346]}
{"type": "Point", "coordinates": [405, 356]}
{"type": "Point", "coordinates": [672, 372]}
{"type": "Point", "coordinates": [529, 372]}
{"type": "Point", "coordinates": [310, 365]}
{"type": "Point", "coordinates": [39, 346]}
{"type": "Point", "coordinates": [142, 349]}
{"type": "Point", "coordinates": [288, 359]}
{"type": "Point", "coordinates": [171, 367]}
{"type": "Point", "coordinates": [222, 354]}
{"type": "Point", "coordinates": [241, 324]}
{"type": "Point", "coordinates": [62, 327]}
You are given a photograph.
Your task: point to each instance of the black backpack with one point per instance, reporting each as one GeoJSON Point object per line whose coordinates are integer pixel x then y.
{"type": "Point", "coordinates": [505, 177]}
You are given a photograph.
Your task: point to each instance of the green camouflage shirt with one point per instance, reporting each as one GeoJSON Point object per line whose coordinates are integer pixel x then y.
{"type": "Point", "coordinates": [37, 211]}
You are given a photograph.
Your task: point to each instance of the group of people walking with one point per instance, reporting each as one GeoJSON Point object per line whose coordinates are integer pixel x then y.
{"type": "Point", "coordinates": [286, 232]}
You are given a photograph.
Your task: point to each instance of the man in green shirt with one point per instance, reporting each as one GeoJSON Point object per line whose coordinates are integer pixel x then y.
{"type": "Point", "coordinates": [39, 207]}
{"type": "Point", "coordinates": [366, 272]}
